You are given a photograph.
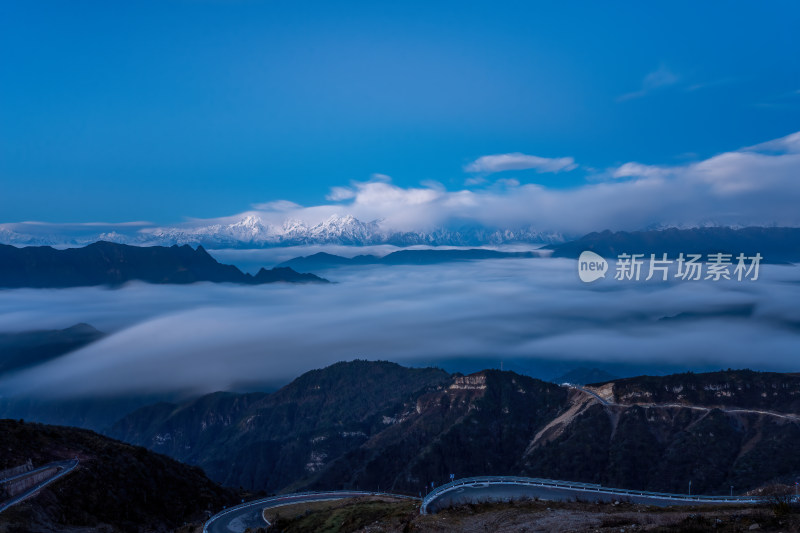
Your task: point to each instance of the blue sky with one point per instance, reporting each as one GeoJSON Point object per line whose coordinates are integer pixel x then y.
{"type": "Point", "coordinates": [163, 110]}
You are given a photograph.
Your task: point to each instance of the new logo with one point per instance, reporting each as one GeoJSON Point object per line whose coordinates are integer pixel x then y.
{"type": "Point", "coordinates": [591, 267]}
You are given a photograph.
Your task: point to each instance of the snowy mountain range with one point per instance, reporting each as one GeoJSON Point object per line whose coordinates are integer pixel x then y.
{"type": "Point", "coordinates": [251, 231]}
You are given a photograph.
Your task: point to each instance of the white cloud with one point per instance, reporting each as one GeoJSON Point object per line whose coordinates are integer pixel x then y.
{"type": "Point", "coordinates": [475, 180]}
{"type": "Point", "coordinates": [278, 205]}
{"type": "Point", "coordinates": [338, 194]}
{"type": "Point", "coordinates": [508, 182]}
{"type": "Point", "coordinates": [661, 77]}
{"type": "Point", "coordinates": [432, 184]}
{"type": "Point", "coordinates": [519, 161]}
{"type": "Point", "coordinates": [741, 174]}
{"type": "Point", "coordinates": [401, 208]}
{"type": "Point", "coordinates": [740, 187]}
{"type": "Point", "coordinates": [633, 169]}
{"type": "Point", "coordinates": [789, 144]}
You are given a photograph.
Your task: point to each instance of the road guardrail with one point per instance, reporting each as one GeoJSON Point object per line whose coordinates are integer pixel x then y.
{"type": "Point", "coordinates": [571, 485]}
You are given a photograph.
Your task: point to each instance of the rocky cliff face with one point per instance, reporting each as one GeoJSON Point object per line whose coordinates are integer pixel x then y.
{"type": "Point", "coordinates": [740, 388]}
{"type": "Point", "coordinates": [372, 425]}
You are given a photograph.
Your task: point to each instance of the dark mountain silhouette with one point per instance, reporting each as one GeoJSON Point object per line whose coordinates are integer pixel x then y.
{"type": "Point", "coordinates": [367, 425]}
{"type": "Point", "coordinates": [324, 260]}
{"type": "Point", "coordinates": [116, 487]}
{"type": "Point", "coordinates": [106, 263]}
{"type": "Point", "coordinates": [96, 414]}
{"type": "Point", "coordinates": [776, 245]}
{"type": "Point", "coordinates": [29, 348]}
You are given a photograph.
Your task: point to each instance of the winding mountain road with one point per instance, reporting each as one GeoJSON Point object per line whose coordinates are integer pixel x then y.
{"type": "Point", "coordinates": [62, 469]}
{"type": "Point", "coordinates": [470, 490]}
{"type": "Point", "coordinates": [250, 514]}
{"type": "Point", "coordinates": [500, 488]}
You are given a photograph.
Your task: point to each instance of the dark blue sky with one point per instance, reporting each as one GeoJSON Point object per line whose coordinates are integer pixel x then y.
{"type": "Point", "coordinates": [161, 110]}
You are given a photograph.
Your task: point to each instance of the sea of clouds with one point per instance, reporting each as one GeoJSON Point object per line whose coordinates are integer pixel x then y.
{"type": "Point", "coordinates": [207, 337]}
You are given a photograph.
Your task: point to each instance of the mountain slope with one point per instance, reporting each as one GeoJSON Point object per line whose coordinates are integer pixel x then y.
{"type": "Point", "coordinates": [475, 423]}
{"type": "Point", "coordinates": [106, 263]}
{"type": "Point", "coordinates": [743, 389]}
{"type": "Point", "coordinates": [270, 440]}
{"type": "Point", "coordinates": [370, 425]}
{"type": "Point", "coordinates": [663, 448]}
{"type": "Point", "coordinates": [116, 487]}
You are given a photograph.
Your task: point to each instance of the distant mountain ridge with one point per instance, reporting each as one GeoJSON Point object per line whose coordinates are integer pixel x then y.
{"type": "Point", "coordinates": [324, 260]}
{"type": "Point", "coordinates": [777, 244]}
{"type": "Point", "coordinates": [366, 425]}
{"type": "Point", "coordinates": [774, 244]}
{"type": "Point", "coordinates": [106, 263]}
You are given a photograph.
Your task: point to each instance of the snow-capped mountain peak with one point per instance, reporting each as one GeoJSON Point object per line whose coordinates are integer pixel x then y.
{"type": "Point", "coordinates": [251, 223]}
{"type": "Point", "coordinates": [251, 231]}
{"type": "Point", "coordinates": [250, 227]}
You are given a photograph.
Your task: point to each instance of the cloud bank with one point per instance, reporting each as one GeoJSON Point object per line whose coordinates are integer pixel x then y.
{"type": "Point", "coordinates": [755, 185]}
{"type": "Point", "coordinates": [207, 337]}
{"type": "Point", "coordinates": [517, 161]}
